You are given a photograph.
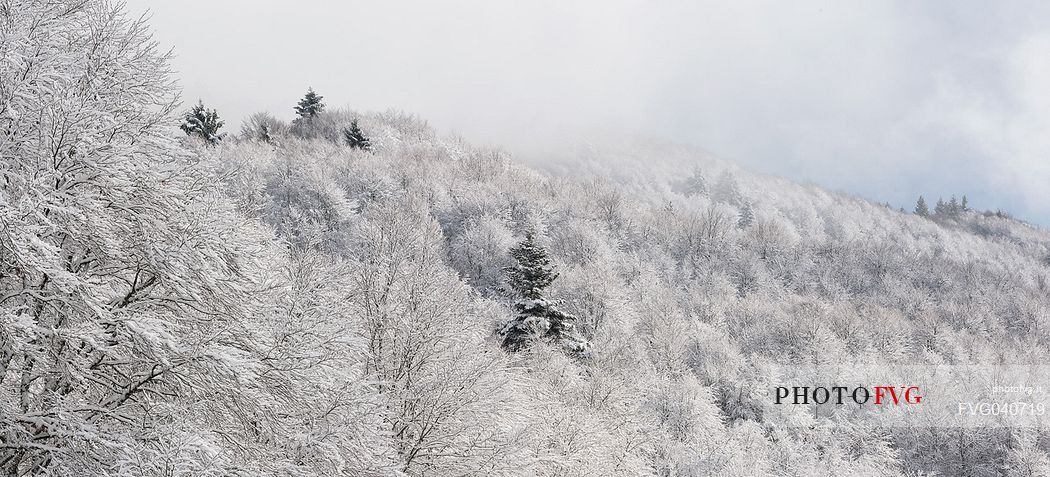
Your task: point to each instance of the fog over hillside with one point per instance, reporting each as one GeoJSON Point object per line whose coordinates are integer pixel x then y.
{"type": "Point", "coordinates": [358, 293]}
{"type": "Point", "coordinates": [887, 100]}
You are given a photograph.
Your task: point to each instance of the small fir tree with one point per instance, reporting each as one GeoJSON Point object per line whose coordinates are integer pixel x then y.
{"type": "Point", "coordinates": [941, 208]}
{"type": "Point", "coordinates": [355, 138]}
{"type": "Point", "coordinates": [695, 184]}
{"type": "Point", "coordinates": [965, 204]}
{"type": "Point", "coordinates": [953, 207]}
{"type": "Point", "coordinates": [533, 271]}
{"type": "Point", "coordinates": [726, 189]}
{"type": "Point", "coordinates": [747, 216]}
{"type": "Point", "coordinates": [203, 123]}
{"type": "Point", "coordinates": [921, 208]}
{"type": "Point", "coordinates": [310, 106]}
{"type": "Point", "coordinates": [537, 319]}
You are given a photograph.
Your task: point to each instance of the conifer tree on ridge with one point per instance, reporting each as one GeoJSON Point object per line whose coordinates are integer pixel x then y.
{"type": "Point", "coordinates": [310, 106]}
{"type": "Point", "coordinates": [921, 208]}
{"type": "Point", "coordinates": [537, 318]}
{"type": "Point", "coordinates": [202, 122]}
{"type": "Point", "coordinates": [355, 138]}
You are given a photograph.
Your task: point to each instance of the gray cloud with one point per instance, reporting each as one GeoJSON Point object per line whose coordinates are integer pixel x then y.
{"type": "Point", "coordinates": [885, 99]}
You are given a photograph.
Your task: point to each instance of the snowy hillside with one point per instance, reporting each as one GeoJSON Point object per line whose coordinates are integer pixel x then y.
{"type": "Point", "coordinates": [357, 294]}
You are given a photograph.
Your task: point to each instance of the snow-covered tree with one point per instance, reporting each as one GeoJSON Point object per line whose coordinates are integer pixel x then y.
{"type": "Point", "coordinates": [1025, 457]}
{"type": "Point", "coordinates": [479, 253]}
{"type": "Point", "coordinates": [142, 328]}
{"type": "Point", "coordinates": [747, 216]}
{"type": "Point", "coordinates": [940, 209]}
{"type": "Point", "coordinates": [330, 417]}
{"type": "Point", "coordinates": [533, 271]}
{"type": "Point", "coordinates": [263, 127]}
{"type": "Point", "coordinates": [921, 209]}
{"type": "Point", "coordinates": [310, 106]}
{"type": "Point", "coordinates": [453, 405]}
{"type": "Point", "coordinates": [203, 123]}
{"type": "Point", "coordinates": [355, 138]}
{"type": "Point", "coordinates": [537, 317]}
{"type": "Point", "coordinates": [726, 189]}
{"type": "Point", "coordinates": [123, 269]}
{"type": "Point", "coordinates": [693, 185]}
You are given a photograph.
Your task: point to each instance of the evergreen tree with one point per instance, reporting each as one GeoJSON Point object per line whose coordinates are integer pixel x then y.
{"type": "Point", "coordinates": [965, 204]}
{"type": "Point", "coordinates": [921, 208]}
{"type": "Point", "coordinates": [941, 209]}
{"type": "Point", "coordinates": [355, 138]}
{"type": "Point", "coordinates": [747, 216]}
{"type": "Point", "coordinates": [726, 189]}
{"type": "Point", "coordinates": [310, 105]}
{"type": "Point", "coordinates": [953, 207]}
{"type": "Point", "coordinates": [203, 123]}
{"type": "Point", "coordinates": [533, 271]}
{"type": "Point", "coordinates": [694, 184]}
{"type": "Point", "coordinates": [537, 318]}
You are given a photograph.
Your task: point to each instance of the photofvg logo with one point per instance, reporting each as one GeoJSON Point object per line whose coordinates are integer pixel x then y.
{"type": "Point", "coordinates": [911, 396]}
{"type": "Point", "coordinates": [860, 395]}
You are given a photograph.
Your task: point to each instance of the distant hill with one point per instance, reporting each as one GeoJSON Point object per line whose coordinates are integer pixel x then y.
{"type": "Point", "coordinates": [683, 299]}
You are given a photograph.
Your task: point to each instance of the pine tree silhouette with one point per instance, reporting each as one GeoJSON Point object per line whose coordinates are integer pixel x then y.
{"type": "Point", "coordinates": [921, 208]}
{"type": "Point", "coordinates": [537, 319]}
{"type": "Point", "coordinates": [940, 209]}
{"type": "Point", "coordinates": [355, 138]}
{"type": "Point", "coordinates": [953, 207]}
{"type": "Point", "coordinates": [747, 216]}
{"type": "Point", "coordinates": [202, 122]}
{"type": "Point", "coordinates": [310, 105]}
{"type": "Point", "coordinates": [533, 271]}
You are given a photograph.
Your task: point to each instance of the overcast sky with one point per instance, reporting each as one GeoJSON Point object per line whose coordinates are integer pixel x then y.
{"type": "Point", "coordinates": [884, 99]}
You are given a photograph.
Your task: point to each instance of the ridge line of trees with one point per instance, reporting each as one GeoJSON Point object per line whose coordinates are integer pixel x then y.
{"type": "Point", "coordinates": [204, 123]}
{"type": "Point", "coordinates": [952, 208]}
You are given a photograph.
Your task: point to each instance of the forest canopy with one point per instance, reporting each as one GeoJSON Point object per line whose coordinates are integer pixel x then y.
{"type": "Point", "coordinates": [332, 296]}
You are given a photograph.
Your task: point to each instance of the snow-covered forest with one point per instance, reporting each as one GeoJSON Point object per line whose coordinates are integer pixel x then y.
{"type": "Point", "coordinates": [354, 293]}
